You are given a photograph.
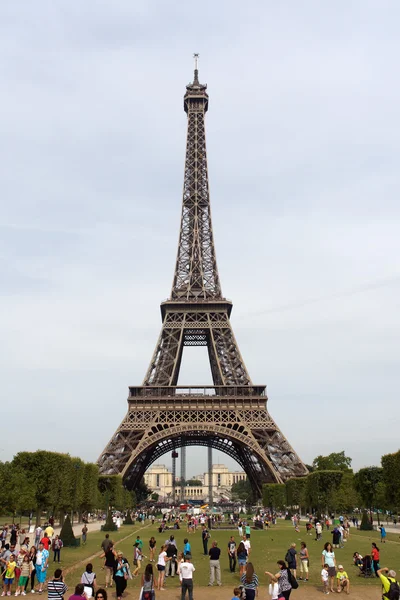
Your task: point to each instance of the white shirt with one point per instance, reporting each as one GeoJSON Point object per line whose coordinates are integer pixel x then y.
{"type": "Point", "coordinates": [186, 570]}
{"type": "Point", "coordinates": [161, 559]}
{"type": "Point", "coordinates": [247, 545]}
{"type": "Point", "coordinates": [324, 575]}
{"type": "Point", "coordinates": [273, 590]}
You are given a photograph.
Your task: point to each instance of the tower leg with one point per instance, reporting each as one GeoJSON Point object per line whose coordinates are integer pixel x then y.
{"type": "Point", "coordinates": [210, 478]}
{"type": "Point", "coordinates": [183, 472]}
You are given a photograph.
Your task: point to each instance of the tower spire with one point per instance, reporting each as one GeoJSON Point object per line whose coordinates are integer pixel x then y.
{"type": "Point", "coordinates": [196, 68]}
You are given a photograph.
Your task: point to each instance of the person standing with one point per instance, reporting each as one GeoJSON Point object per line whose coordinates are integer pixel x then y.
{"type": "Point", "coordinates": [249, 581]}
{"type": "Point", "coordinates": [383, 534]}
{"type": "Point", "coordinates": [242, 558]}
{"type": "Point", "coordinates": [304, 558]}
{"type": "Point", "coordinates": [148, 583]}
{"type": "Point", "coordinates": [42, 563]}
{"type": "Point", "coordinates": [152, 548]}
{"type": "Point", "coordinates": [232, 554]}
{"type": "Point", "coordinates": [56, 587]}
{"type": "Point", "coordinates": [291, 559]}
{"type": "Point", "coordinates": [204, 538]}
{"type": "Point", "coordinates": [9, 575]}
{"type": "Point", "coordinates": [109, 563]}
{"type": "Point", "coordinates": [106, 543]}
{"type": "Point", "coordinates": [161, 562]}
{"type": "Point", "coordinates": [186, 570]}
{"type": "Point", "coordinates": [57, 545]}
{"type": "Point", "coordinates": [318, 531]}
{"type": "Point", "coordinates": [38, 535]}
{"type": "Point", "coordinates": [375, 558]}
{"type": "Point", "coordinates": [282, 577]}
{"type": "Point", "coordinates": [23, 579]}
{"type": "Point", "coordinates": [247, 545]}
{"type": "Point", "coordinates": [32, 560]}
{"type": "Point", "coordinates": [215, 567]}
{"type": "Point", "coordinates": [247, 531]}
{"type": "Point", "coordinates": [328, 558]}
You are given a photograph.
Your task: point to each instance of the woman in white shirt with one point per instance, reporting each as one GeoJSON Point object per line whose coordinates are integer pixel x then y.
{"type": "Point", "coordinates": [162, 560]}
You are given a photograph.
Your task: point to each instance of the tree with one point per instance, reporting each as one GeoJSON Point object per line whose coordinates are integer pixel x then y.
{"type": "Point", "coordinates": [67, 533]}
{"type": "Point", "coordinates": [193, 482]}
{"type": "Point", "coordinates": [296, 491]}
{"type": "Point", "coordinates": [320, 489]}
{"type": "Point", "coordinates": [345, 498]}
{"type": "Point", "coordinates": [142, 491]}
{"type": "Point", "coordinates": [337, 461]}
{"type": "Point", "coordinates": [367, 482]}
{"type": "Point", "coordinates": [17, 493]}
{"type": "Point", "coordinates": [155, 496]}
{"type": "Point", "coordinates": [242, 491]}
{"type": "Point", "coordinates": [274, 495]}
{"type": "Point", "coordinates": [391, 478]}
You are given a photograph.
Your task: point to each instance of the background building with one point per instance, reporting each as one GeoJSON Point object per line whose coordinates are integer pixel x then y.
{"type": "Point", "coordinates": [159, 479]}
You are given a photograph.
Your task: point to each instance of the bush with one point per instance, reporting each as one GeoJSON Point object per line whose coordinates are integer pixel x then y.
{"type": "Point", "coordinates": [109, 525]}
{"type": "Point", "coordinates": [366, 524]}
{"type": "Point", "coordinates": [67, 534]}
{"type": "Point", "coordinates": [128, 520]}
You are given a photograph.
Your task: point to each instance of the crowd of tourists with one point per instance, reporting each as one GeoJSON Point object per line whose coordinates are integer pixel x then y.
{"type": "Point", "coordinates": [26, 569]}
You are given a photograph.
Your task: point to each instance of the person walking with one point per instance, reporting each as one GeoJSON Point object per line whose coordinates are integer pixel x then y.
{"type": "Point", "coordinates": [89, 581]}
{"type": "Point", "coordinates": [148, 584]}
{"type": "Point", "coordinates": [304, 560]}
{"type": "Point", "coordinates": [120, 574]}
{"type": "Point", "coordinates": [84, 533]}
{"type": "Point", "coordinates": [375, 558]}
{"type": "Point", "coordinates": [282, 577]}
{"type": "Point", "coordinates": [56, 587]}
{"type": "Point", "coordinates": [109, 563]}
{"type": "Point", "coordinates": [249, 581]}
{"type": "Point", "coordinates": [232, 554]}
{"type": "Point", "coordinates": [242, 558]}
{"type": "Point", "coordinates": [186, 570]}
{"type": "Point", "coordinates": [215, 567]}
{"type": "Point", "coordinates": [205, 536]}
{"type": "Point", "coordinates": [328, 558]}
{"type": "Point", "coordinates": [383, 534]}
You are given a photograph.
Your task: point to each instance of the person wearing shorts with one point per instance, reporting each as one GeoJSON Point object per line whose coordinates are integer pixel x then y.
{"type": "Point", "coordinates": [161, 562]}
{"type": "Point", "coordinates": [9, 576]}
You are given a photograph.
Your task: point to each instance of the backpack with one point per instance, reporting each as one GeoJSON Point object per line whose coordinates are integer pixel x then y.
{"type": "Point", "coordinates": [393, 592]}
{"type": "Point", "coordinates": [288, 557]}
{"type": "Point", "coordinates": [292, 580]}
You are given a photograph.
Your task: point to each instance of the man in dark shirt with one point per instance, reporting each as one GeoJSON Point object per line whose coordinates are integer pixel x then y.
{"type": "Point", "coordinates": [232, 554]}
{"type": "Point", "coordinates": [215, 567]}
{"type": "Point", "coordinates": [106, 543]}
{"type": "Point", "coordinates": [204, 537]}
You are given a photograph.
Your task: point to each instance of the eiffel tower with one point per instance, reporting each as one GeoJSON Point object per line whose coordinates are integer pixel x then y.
{"type": "Point", "coordinates": [230, 415]}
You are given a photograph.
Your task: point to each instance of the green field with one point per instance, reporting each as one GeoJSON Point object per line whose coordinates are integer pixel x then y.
{"type": "Point", "coordinates": [267, 547]}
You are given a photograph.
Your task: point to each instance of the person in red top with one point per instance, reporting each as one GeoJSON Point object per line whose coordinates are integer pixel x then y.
{"type": "Point", "coordinates": [46, 541]}
{"type": "Point", "coordinates": [375, 557]}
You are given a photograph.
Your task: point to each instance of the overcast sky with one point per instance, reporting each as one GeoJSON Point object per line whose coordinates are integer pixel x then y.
{"type": "Point", "coordinates": [303, 150]}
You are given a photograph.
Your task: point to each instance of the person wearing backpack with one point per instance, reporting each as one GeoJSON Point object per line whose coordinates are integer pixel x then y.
{"type": "Point", "coordinates": [390, 587]}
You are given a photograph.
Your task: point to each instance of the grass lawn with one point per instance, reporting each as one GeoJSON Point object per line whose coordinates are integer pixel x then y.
{"type": "Point", "coordinates": [267, 547]}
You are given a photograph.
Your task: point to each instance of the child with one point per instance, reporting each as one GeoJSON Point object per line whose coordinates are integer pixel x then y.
{"type": "Point", "coordinates": [179, 561]}
{"type": "Point", "coordinates": [343, 582]}
{"type": "Point", "coordinates": [26, 569]}
{"type": "Point", "coordinates": [186, 548]}
{"type": "Point", "coordinates": [273, 588]}
{"type": "Point", "coordinates": [236, 593]}
{"type": "Point", "coordinates": [325, 578]}
{"type": "Point", "coordinates": [9, 575]}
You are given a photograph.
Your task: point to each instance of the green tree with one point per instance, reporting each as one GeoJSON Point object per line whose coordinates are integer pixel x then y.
{"type": "Point", "coordinates": [337, 461]}
{"type": "Point", "coordinates": [155, 496]}
{"type": "Point", "coordinates": [242, 491]}
{"type": "Point", "coordinates": [274, 495]}
{"type": "Point", "coordinates": [320, 489]}
{"type": "Point", "coordinates": [17, 493]}
{"type": "Point", "coordinates": [193, 482]}
{"type": "Point", "coordinates": [345, 498]}
{"type": "Point", "coordinates": [367, 482]}
{"type": "Point", "coordinates": [296, 492]}
{"type": "Point", "coordinates": [391, 479]}
{"type": "Point", "coordinates": [142, 491]}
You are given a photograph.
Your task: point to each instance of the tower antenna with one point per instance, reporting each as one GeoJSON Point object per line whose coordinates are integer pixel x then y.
{"type": "Point", "coordinates": [196, 67]}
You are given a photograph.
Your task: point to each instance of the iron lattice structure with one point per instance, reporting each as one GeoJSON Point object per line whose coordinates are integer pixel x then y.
{"type": "Point", "coordinates": [231, 415]}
